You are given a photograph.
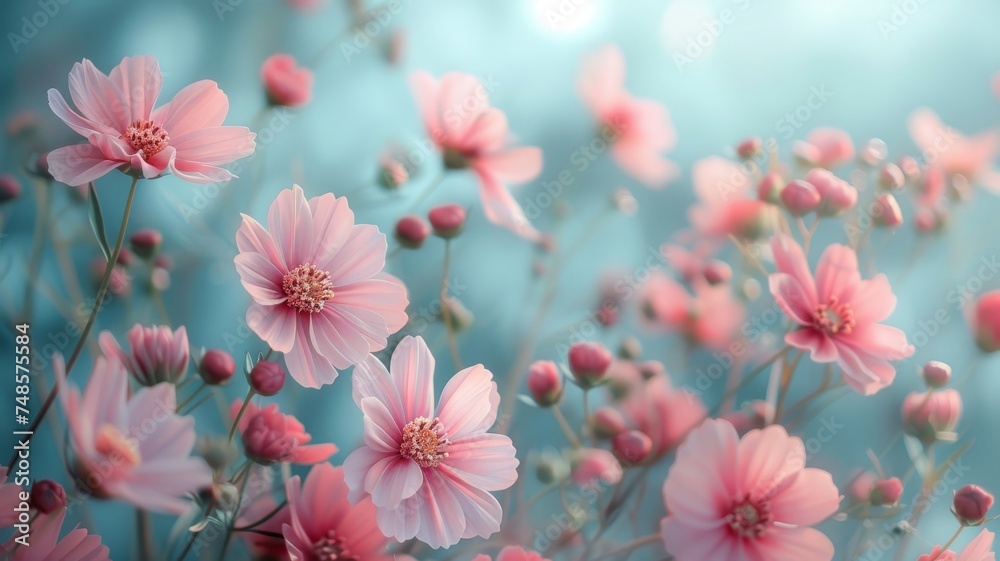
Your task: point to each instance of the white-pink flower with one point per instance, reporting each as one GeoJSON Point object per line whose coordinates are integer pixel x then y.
{"type": "Point", "coordinates": [320, 295]}
{"type": "Point", "coordinates": [429, 471]}
{"type": "Point", "coordinates": [954, 153]}
{"type": "Point", "coordinates": [45, 545]}
{"type": "Point", "coordinates": [184, 136]}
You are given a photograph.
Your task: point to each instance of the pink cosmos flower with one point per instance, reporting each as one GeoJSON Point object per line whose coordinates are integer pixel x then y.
{"type": "Point", "coordinates": [471, 134]}
{"type": "Point", "coordinates": [270, 436]}
{"type": "Point", "coordinates": [324, 525]}
{"type": "Point", "coordinates": [977, 550]}
{"type": "Point", "coordinates": [710, 317]}
{"type": "Point", "coordinates": [429, 471]}
{"type": "Point", "coordinates": [264, 546]}
{"type": "Point", "coordinates": [184, 136]}
{"type": "Point", "coordinates": [638, 130]}
{"type": "Point", "coordinates": [954, 153]}
{"type": "Point", "coordinates": [825, 147]}
{"type": "Point", "coordinates": [726, 203]}
{"type": "Point", "coordinates": [285, 82]}
{"type": "Point", "coordinates": [838, 313]}
{"type": "Point", "coordinates": [136, 448]}
{"type": "Point", "coordinates": [751, 499]}
{"type": "Point", "coordinates": [320, 296]}
{"type": "Point", "coordinates": [159, 354]}
{"type": "Point", "coordinates": [666, 414]}
{"type": "Point", "coordinates": [77, 545]}
{"type": "Point", "coordinates": [513, 553]}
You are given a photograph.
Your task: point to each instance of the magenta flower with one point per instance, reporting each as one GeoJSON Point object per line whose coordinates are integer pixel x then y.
{"type": "Point", "coordinates": [159, 354]}
{"type": "Point", "coordinates": [977, 550]}
{"type": "Point", "coordinates": [320, 296]}
{"type": "Point", "coordinates": [751, 499]}
{"type": "Point", "coordinates": [136, 448]}
{"type": "Point", "coordinates": [285, 82]}
{"type": "Point", "coordinates": [429, 471]}
{"type": "Point", "coordinates": [838, 313]}
{"type": "Point", "coordinates": [270, 436]}
{"type": "Point", "coordinates": [77, 545]}
{"type": "Point", "coordinates": [638, 130]}
{"type": "Point", "coordinates": [471, 134]}
{"type": "Point", "coordinates": [954, 153]}
{"type": "Point", "coordinates": [513, 553]}
{"type": "Point", "coordinates": [664, 413]}
{"type": "Point", "coordinates": [184, 137]}
{"type": "Point", "coordinates": [324, 525]}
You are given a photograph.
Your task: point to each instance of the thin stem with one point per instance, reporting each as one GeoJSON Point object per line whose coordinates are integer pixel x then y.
{"type": "Point", "coordinates": [751, 376]}
{"type": "Point", "coordinates": [566, 428]}
{"type": "Point", "coordinates": [98, 302]}
{"type": "Point", "coordinates": [786, 381]}
{"type": "Point", "coordinates": [586, 417]}
{"type": "Point", "coordinates": [449, 328]}
{"type": "Point", "coordinates": [245, 473]}
{"type": "Point", "coordinates": [269, 515]}
{"type": "Point", "coordinates": [145, 533]}
{"type": "Point", "coordinates": [38, 243]}
{"type": "Point", "coordinates": [236, 421]}
{"type": "Point", "coordinates": [192, 396]}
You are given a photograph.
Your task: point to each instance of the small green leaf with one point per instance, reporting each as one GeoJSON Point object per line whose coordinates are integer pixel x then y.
{"type": "Point", "coordinates": [249, 364]}
{"type": "Point", "coordinates": [97, 222]}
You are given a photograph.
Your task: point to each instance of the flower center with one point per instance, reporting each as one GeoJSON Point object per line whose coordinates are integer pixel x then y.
{"type": "Point", "coordinates": [147, 137]}
{"type": "Point", "coordinates": [331, 547]}
{"type": "Point", "coordinates": [834, 317]}
{"type": "Point", "coordinates": [453, 159]}
{"type": "Point", "coordinates": [423, 441]}
{"type": "Point", "coordinates": [113, 444]}
{"type": "Point", "coordinates": [307, 287]}
{"type": "Point", "coordinates": [750, 519]}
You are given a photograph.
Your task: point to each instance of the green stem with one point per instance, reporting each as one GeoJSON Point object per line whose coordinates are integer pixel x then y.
{"type": "Point", "coordinates": [236, 421]}
{"type": "Point", "coordinates": [449, 328]}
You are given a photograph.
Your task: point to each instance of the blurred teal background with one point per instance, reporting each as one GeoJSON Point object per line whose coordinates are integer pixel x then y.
{"type": "Point", "coordinates": [880, 60]}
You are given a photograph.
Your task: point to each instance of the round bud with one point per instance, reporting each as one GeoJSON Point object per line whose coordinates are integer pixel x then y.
{"type": "Point", "coordinates": [589, 362]}
{"type": "Point", "coordinates": [607, 422]}
{"type": "Point", "coordinates": [632, 446]}
{"type": "Point", "coordinates": [800, 197]}
{"type": "Point", "coordinates": [145, 243]}
{"type": "Point", "coordinates": [769, 188]}
{"type": "Point", "coordinates": [717, 272]}
{"type": "Point", "coordinates": [545, 383]}
{"type": "Point", "coordinates": [411, 231]}
{"type": "Point", "coordinates": [971, 504]}
{"type": "Point", "coordinates": [267, 378]}
{"type": "Point", "coordinates": [47, 496]}
{"type": "Point", "coordinates": [886, 492]}
{"type": "Point", "coordinates": [891, 177]}
{"type": "Point", "coordinates": [750, 147]}
{"type": "Point", "coordinates": [936, 374]}
{"type": "Point", "coordinates": [10, 188]}
{"type": "Point", "coordinates": [886, 211]}
{"type": "Point", "coordinates": [447, 220]}
{"type": "Point", "coordinates": [216, 367]}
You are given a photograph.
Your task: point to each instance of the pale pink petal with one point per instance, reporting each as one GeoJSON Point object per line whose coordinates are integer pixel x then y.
{"type": "Point", "coordinates": [334, 338]}
{"type": "Point", "coordinates": [274, 324]}
{"type": "Point", "coordinates": [513, 165]}
{"type": "Point", "coordinates": [398, 480]}
{"type": "Point", "coordinates": [383, 295]}
{"type": "Point", "coordinates": [793, 544]}
{"type": "Point", "coordinates": [260, 278]}
{"type": "Point", "coordinates": [382, 432]}
{"type": "Point", "coordinates": [462, 99]}
{"type": "Point", "coordinates": [793, 298]}
{"type": "Point", "coordinates": [289, 221]}
{"type": "Point", "coordinates": [371, 379]}
{"type": "Point", "coordinates": [768, 461]}
{"type": "Point", "coordinates": [427, 91]}
{"type": "Point", "coordinates": [718, 180]}
{"type": "Point", "coordinates": [979, 548]}
{"type": "Point", "coordinates": [487, 133]}
{"type": "Point", "coordinates": [483, 461]}
{"type": "Point", "coordinates": [139, 80]}
{"type": "Point", "coordinates": [83, 126]}
{"type": "Point", "coordinates": [361, 257]}
{"type": "Point", "coordinates": [358, 465]}
{"type": "Point", "coordinates": [307, 366]}
{"type": "Point", "coordinates": [333, 222]}
{"type": "Point", "coordinates": [863, 372]}
{"type": "Point", "coordinates": [686, 543]}
{"type": "Point", "coordinates": [199, 173]}
{"type": "Point", "coordinates": [402, 522]}
{"type": "Point", "coordinates": [97, 98]}
{"type": "Point", "coordinates": [811, 499]}
{"type": "Point", "coordinates": [251, 236]}
{"type": "Point", "coordinates": [643, 163]}
{"type": "Point", "coordinates": [465, 401]}
{"type": "Point", "coordinates": [821, 348]}
{"type": "Point", "coordinates": [701, 484]}
{"type": "Point", "coordinates": [214, 146]}
{"type": "Point", "coordinates": [313, 453]}
{"type": "Point", "coordinates": [79, 164]}
{"type": "Point", "coordinates": [837, 273]}
{"type": "Point", "coordinates": [412, 369]}
{"type": "Point", "coordinates": [197, 106]}
{"type": "Point", "coordinates": [481, 510]}
{"type": "Point", "coordinates": [442, 519]}
{"type": "Point", "coordinates": [872, 300]}
{"type": "Point", "coordinates": [602, 79]}
{"type": "Point", "coordinates": [879, 340]}
{"type": "Point", "coordinates": [789, 259]}
{"type": "Point", "coordinates": [501, 209]}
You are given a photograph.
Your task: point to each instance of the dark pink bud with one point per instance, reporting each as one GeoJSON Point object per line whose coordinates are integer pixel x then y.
{"type": "Point", "coordinates": [971, 504]}
{"type": "Point", "coordinates": [145, 243]}
{"type": "Point", "coordinates": [632, 446]}
{"type": "Point", "coordinates": [769, 188]}
{"type": "Point", "coordinates": [267, 378]}
{"type": "Point", "coordinates": [411, 231]}
{"type": "Point", "coordinates": [936, 374]}
{"type": "Point", "coordinates": [886, 211]}
{"type": "Point", "coordinates": [545, 383]}
{"type": "Point", "coordinates": [216, 367]}
{"type": "Point", "coordinates": [589, 362]}
{"type": "Point", "coordinates": [886, 492]}
{"type": "Point", "coordinates": [285, 82]}
{"type": "Point", "coordinates": [125, 257]}
{"type": "Point", "coordinates": [47, 496]}
{"type": "Point", "coordinates": [10, 188]}
{"type": "Point", "coordinates": [717, 272]}
{"type": "Point", "coordinates": [749, 148]}
{"type": "Point", "coordinates": [986, 321]}
{"type": "Point", "coordinates": [800, 197]}
{"type": "Point", "coordinates": [607, 422]}
{"type": "Point", "coordinates": [447, 220]}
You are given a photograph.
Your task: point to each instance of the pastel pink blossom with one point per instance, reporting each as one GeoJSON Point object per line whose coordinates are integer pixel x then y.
{"type": "Point", "coordinates": [825, 147]}
{"type": "Point", "coordinates": [123, 131]}
{"type": "Point", "coordinates": [596, 466]}
{"type": "Point", "coordinates": [429, 472]}
{"type": "Point", "coordinates": [264, 546]}
{"type": "Point", "coordinates": [45, 545]}
{"type": "Point", "coordinates": [710, 317]}
{"type": "Point", "coordinates": [324, 525]}
{"type": "Point", "coordinates": [136, 449]}
{"type": "Point", "coordinates": [638, 130]}
{"type": "Point", "coordinates": [158, 353]}
{"type": "Point", "coordinates": [270, 436]}
{"type": "Point", "coordinates": [727, 205]}
{"type": "Point", "coordinates": [750, 499]}
{"type": "Point", "coordinates": [954, 153]}
{"type": "Point", "coordinates": [977, 550]}
{"type": "Point", "coordinates": [471, 134]}
{"type": "Point", "coordinates": [513, 553]}
{"type": "Point", "coordinates": [320, 295]}
{"type": "Point", "coordinates": [664, 413]}
{"type": "Point", "coordinates": [285, 82]}
{"type": "Point", "coordinates": [838, 313]}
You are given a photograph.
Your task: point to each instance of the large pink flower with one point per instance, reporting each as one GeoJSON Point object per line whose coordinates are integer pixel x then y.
{"type": "Point", "coordinates": [666, 414]}
{"type": "Point", "coordinates": [954, 153]}
{"type": "Point", "coordinates": [429, 472]}
{"type": "Point", "coordinates": [513, 553]}
{"type": "Point", "coordinates": [751, 499]}
{"type": "Point", "coordinates": [184, 136]}
{"type": "Point", "coordinates": [320, 296]}
{"type": "Point", "coordinates": [270, 436]}
{"type": "Point", "coordinates": [137, 448]}
{"type": "Point", "coordinates": [977, 550]}
{"type": "Point", "coordinates": [471, 134]}
{"type": "Point", "coordinates": [77, 545]}
{"type": "Point", "coordinates": [639, 130]}
{"type": "Point", "coordinates": [324, 525]}
{"type": "Point", "coordinates": [838, 313]}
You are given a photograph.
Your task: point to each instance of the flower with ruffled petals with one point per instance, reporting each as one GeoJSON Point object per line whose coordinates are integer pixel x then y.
{"type": "Point", "coordinates": [472, 134]}
{"type": "Point", "coordinates": [664, 413]}
{"type": "Point", "coordinates": [137, 449]}
{"type": "Point", "coordinates": [123, 131]}
{"type": "Point", "coordinates": [838, 313]}
{"type": "Point", "coordinates": [638, 130]}
{"type": "Point", "coordinates": [751, 498]}
{"type": "Point", "coordinates": [977, 550]}
{"type": "Point", "coordinates": [270, 436]}
{"type": "Point", "coordinates": [320, 296]}
{"type": "Point", "coordinates": [158, 354]}
{"type": "Point", "coordinates": [513, 553]}
{"type": "Point", "coordinates": [429, 471]}
{"type": "Point", "coordinates": [77, 545]}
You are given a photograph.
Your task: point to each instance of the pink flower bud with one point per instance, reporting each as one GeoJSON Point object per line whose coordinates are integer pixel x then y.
{"type": "Point", "coordinates": [630, 348]}
{"type": "Point", "coordinates": [284, 82]}
{"type": "Point", "coordinates": [595, 465]}
{"type": "Point", "coordinates": [447, 220]}
{"type": "Point", "coordinates": [163, 262]}
{"type": "Point", "coordinates": [651, 369]}
{"type": "Point", "coordinates": [10, 188]}
{"type": "Point", "coordinates": [836, 194]}
{"type": "Point", "coordinates": [971, 505]}
{"type": "Point", "coordinates": [216, 367]}
{"type": "Point", "coordinates": [891, 177]}
{"type": "Point", "coordinates": [873, 152]}
{"type": "Point", "coordinates": [632, 446]}
{"type": "Point", "coordinates": [607, 422]}
{"type": "Point", "coordinates": [717, 272]}
{"type": "Point", "coordinates": [800, 197]}
{"type": "Point", "coordinates": [411, 231]}
{"type": "Point", "coordinates": [145, 243]}
{"type": "Point", "coordinates": [392, 173]}
{"type": "Point", "coordinates": [931, 416]}
{"type": "Point", "coordinates": [545, 383]}
{"type": "Point", "coordinates": [936, 374]}
{"type": "Point", "coordinates": [156, 354]}
{"type": "Point", "coordinates": [859, 486]}
{"type": "Point", "coordinates": [986, 321]}
{"type": "Point", "coordinates": [125, 257]}
{"type": "Point", "coordinates": [589, 362]}
{"type": "Point", "coordinates": [267, 378]}
{"type": "Point", "coordinates": [47, 496]}
{"type": "Point", "coordinates": [886, 492]}
{"type": "Point", "coordinates": [750, 148]}
{"type": "Point", "coordinates": [886, 211]}
{"type": "Point", "coordinates": [769, 188]}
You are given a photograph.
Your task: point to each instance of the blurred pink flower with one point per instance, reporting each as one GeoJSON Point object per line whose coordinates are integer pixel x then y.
{"type": "Point", "coordinates": [710, 317]}
{"type": "Point", "coordinates": [45, 545]}
{"type": "Point", "coordinates": [470, 134]}
{"type": "Point", "coordinates": [838, 313]}
{"type": "Point", "coordinates": [122, 129]}
{"type": "Point", "coordinates": [9, 498]}
{"type": "Point", "coordinates": [285, 82]}
{"type": "Point", "coordinates": [727, 205]}
{"type": "Point", "coordinates": [320, 296]}
{"type": "Point", "coordinates": [324, 525]}
{"type": "Point", "coordinates": [932, 415]}
{"type": "Point", "coordinates": [513, 553]}
{"type": "Point", "coordinates": [977, 550]}
{"type": "Point", "coordinates": [158, 354]}
{"type": "Point", "coordinates": [429, 472]}
{"type": "Point", "coordinates": [954, 153]}
{"type": "Point", "coordinates": [136, 449]}
{"type": "Point", "coordinates": [639, 131]}
{"type": "Point", "coordinates": [751, 499]}
{"type": "Point", "coordinates": [825, 147]}
{"type": "Point", "coordinates": [984, 319]}
{"type": "Point", "coordinates": [270, 436]}
{"type": "Point", "coordinates": [666, 414]}
{"type": "Point", "coordinates": [264, 546]}
{"type": "Point", "coordinates": [594, 467]}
